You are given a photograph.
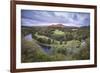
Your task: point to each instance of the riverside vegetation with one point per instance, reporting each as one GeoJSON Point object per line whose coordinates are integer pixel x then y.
{"type": "Point", "coordinates": [49, 43]}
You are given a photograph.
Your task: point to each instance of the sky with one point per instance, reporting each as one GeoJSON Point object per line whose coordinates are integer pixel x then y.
{"type": "Point", "coordinates": [45, 18]}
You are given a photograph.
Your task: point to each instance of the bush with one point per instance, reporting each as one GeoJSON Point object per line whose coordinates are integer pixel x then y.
{"type": "Point", "coordinates": [30, 51]}
{"type": "Point", "coordinates": [58, 57]}
{"type": "Point", "coordinates": [73, 47]}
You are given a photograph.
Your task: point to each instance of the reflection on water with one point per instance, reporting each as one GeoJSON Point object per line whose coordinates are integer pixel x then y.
{"type": "Point", "coordinates": [45, 48]}
{"type": "Point", "coordinates": [28, 37]}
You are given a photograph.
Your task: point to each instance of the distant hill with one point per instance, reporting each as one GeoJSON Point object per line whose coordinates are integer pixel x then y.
{"type": "Point", "coordinates": [26, 26]}
{"type": "Point", "coordinates": [56, 25]}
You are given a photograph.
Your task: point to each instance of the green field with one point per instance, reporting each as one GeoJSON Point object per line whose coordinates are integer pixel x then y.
{"type": "Point", "coordinates": [55, 44]}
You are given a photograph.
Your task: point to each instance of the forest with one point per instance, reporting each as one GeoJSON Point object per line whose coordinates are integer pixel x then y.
{"type": "Point", "coordinates": [54, 43]}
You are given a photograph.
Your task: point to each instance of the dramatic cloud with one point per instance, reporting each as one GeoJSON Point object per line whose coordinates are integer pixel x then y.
{"type": "Point", "coordinates": [39, 17]}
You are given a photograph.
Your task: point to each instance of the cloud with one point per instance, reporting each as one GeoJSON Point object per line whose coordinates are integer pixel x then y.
{"type": "Point", "coordinates": [31, 17]}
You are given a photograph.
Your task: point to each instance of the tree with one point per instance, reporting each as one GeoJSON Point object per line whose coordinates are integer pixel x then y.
{"type": "Point", "coordinates": [61, 42]}
{"type": "Point", "coordinates": [73, 47]}
{"type": "Point", "coordinates": [49, 41]}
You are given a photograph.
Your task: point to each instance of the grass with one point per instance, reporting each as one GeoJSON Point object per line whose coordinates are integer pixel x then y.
{"type": "Point", "coordinates": [41, 36]}
{"type": "Point", "coordinates": [58, 32]}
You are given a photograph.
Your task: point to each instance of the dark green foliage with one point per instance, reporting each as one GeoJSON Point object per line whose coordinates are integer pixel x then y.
{"type": "Point", "coordinates": [64, 44]}
{"type": "Point", "coordinates": [60, 42]}
{"type": "Point", "coordinates": [49, 41]}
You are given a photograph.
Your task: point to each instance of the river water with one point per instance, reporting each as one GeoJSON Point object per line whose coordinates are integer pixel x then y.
{"type": "Point", "coordinates": [45, 48]}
